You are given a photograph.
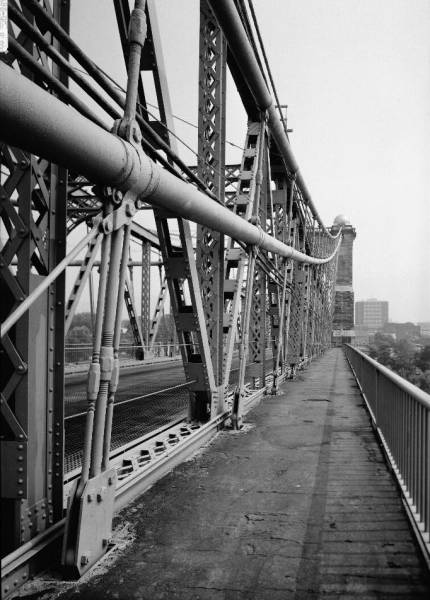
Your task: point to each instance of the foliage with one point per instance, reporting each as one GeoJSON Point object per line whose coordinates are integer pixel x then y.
{"type": "Point", "coordinates": [403, 358]}
{"type": "Point", "coordinates": [83, 318]}
{"type": "Point", "coordinates": [80, 331]}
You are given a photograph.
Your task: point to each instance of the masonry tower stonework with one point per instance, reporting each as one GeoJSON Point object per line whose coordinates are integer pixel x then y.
{"type": "Point", "coordinates": [343, 317]}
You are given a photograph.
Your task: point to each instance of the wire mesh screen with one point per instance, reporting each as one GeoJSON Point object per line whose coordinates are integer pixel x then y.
{"type": "Point", "coordinates": [131, 420]}
{"type": "Point", "coordinates": [149, 396]}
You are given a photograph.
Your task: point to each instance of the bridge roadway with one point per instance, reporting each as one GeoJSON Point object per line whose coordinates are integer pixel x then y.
{"type": "Point", "coordinates": [298, 505]}
{"type": "Point", "coordinates": [149, 396]}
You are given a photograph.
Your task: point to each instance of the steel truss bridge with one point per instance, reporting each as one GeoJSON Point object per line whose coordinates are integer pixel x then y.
{"type": "Point", "coordinates": [245, 264]}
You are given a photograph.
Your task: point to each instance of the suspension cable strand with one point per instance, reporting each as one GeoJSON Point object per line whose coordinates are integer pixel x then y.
{"type": "Point", "coordinates": [62, 135]}
{"type": "Point", "coordinates": [93, 380]}
{"type": "Point", "coordinates": [64, 92]}
{"type": "Point", "coordinates": [74, 73]}
{"type": "Point", "coordinates": [137, 36]}
{"type": "Point", "coordinates": [102, 80]}
{"type": "Point", "coordinates": [177, 117]}
{"type": "Point", "coordinates": [22, 55]}
{"type": "Point", "coordinates": [113, 385]}
{"type": "Point", "coordinates": [106, 351]}
{"type": "Point", "coordinates": [231, 25]}
{"type": "Point", "coordinates": [242, 10]}
{"type": "Point", "coordinates": [266, 62]}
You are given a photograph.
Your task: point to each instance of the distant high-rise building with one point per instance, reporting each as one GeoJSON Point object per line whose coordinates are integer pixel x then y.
{"type": "Point", "coordinates": [424, 328]}
{"type": "Point", "coordinates": [343, 316]}
{"type": "Point", "coordinates": [371, 314]}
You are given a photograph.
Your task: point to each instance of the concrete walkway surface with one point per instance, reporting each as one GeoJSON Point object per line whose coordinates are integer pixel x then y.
{"type": "Point", "coordinates": [298, 505]}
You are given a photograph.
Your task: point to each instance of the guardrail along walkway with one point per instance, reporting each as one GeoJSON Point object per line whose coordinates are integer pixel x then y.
{"type": "Point", "coordinates": [297, 505]}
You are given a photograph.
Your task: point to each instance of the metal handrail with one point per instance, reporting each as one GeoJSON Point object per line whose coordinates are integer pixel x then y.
{"type": "Point", "coordinates": [403, 384]}
{"type": "Point", "coordinates": [401, 414]}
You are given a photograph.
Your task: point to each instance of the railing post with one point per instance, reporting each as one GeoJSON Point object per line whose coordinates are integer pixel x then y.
{"type": "Point", "coordinates": [401, 414]}
{"type": "Point", "coordinates": [426, 475]}
{"type": "Point", "coordinates": [376, 407]}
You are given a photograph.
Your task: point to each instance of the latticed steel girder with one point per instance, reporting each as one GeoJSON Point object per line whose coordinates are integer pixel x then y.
{"type": "Point", "coordinates": [258, 281]}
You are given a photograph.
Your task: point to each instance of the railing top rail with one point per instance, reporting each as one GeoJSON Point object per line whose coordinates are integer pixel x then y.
{"type": "Point", "coordinates": [406, 386]}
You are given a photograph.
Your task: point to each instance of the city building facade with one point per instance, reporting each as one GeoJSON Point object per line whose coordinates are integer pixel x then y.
{"type": "Point", "coordinates": [424, 328]}
{"type": "Point", "coordinates": [371, 314]}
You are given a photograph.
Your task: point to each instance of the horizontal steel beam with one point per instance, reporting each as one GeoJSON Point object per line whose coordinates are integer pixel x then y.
{"type": "Point", "coordinates": [239, 45]}
{"type": "Point", "coordinates": [38, 122]}
{"type": "Point", "coordinates": [131, 263]}
{"type": "Point", "coordinates": [144, 234]}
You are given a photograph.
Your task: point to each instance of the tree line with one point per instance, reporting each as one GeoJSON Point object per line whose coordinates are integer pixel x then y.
{"type": "Point", "coordinates": [403, 357]}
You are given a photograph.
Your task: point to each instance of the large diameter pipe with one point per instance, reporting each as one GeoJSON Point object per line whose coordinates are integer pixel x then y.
{"type": "Point", "coordinates": [238, 43]}
{"type": "Point", "coordinates": [40, 123]}
{"type": "Point", "coordinates": [36, 121]}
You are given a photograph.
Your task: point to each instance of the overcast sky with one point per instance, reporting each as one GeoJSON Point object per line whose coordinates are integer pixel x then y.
{"type": "Point", "coordinates": [356, 77]}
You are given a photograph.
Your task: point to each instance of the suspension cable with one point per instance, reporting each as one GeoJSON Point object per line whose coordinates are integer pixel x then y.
{"type": "Point", "coordinates": [266, 62]}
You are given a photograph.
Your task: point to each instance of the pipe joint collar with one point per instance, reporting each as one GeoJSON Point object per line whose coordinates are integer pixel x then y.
{"type": "Point", "coordinates": [140, 174]}
{"type": "Point", "coordinates": [150, 174]}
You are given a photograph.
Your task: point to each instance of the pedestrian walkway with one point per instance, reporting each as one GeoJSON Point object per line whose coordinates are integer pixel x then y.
{"type": "Point", "coordinates": [298, 505]}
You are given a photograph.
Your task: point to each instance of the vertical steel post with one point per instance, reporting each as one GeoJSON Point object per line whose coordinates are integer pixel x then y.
{"type": "Point", "coordinates": [252, 287]}
{"type": "Point", "coordinates": [277, 360]}
{"type": "Point", "coordinates": [33, 197]}
{"type": "Point", "coordinates": [236, 259]}
{"type": "Point", "coordinates": [135, 324]}
{"type": "Point", "coordinates": [211, 170]}
{"type": "Point", "coordinates": [312, 295]}
{"type": "Point", "coordinates": [145, 304]}
{"type": "Point", "coordinates": [257, 323]}
{"type": "Point", "coordinates": [289, 339]}
{"type": "Point", "coordinates": [158, 311]}
{"type": "Point", "coordinates": [279, 205]}
{"type": "Point", "coordinates": [237, 409]}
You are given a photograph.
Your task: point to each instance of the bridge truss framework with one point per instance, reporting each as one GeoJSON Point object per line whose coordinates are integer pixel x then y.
{"type": "Point", "coordinates": [261, 273]}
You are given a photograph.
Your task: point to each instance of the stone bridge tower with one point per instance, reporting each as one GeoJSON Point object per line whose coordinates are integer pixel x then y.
{"type": "Point", "coordinates": [343, 317]}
